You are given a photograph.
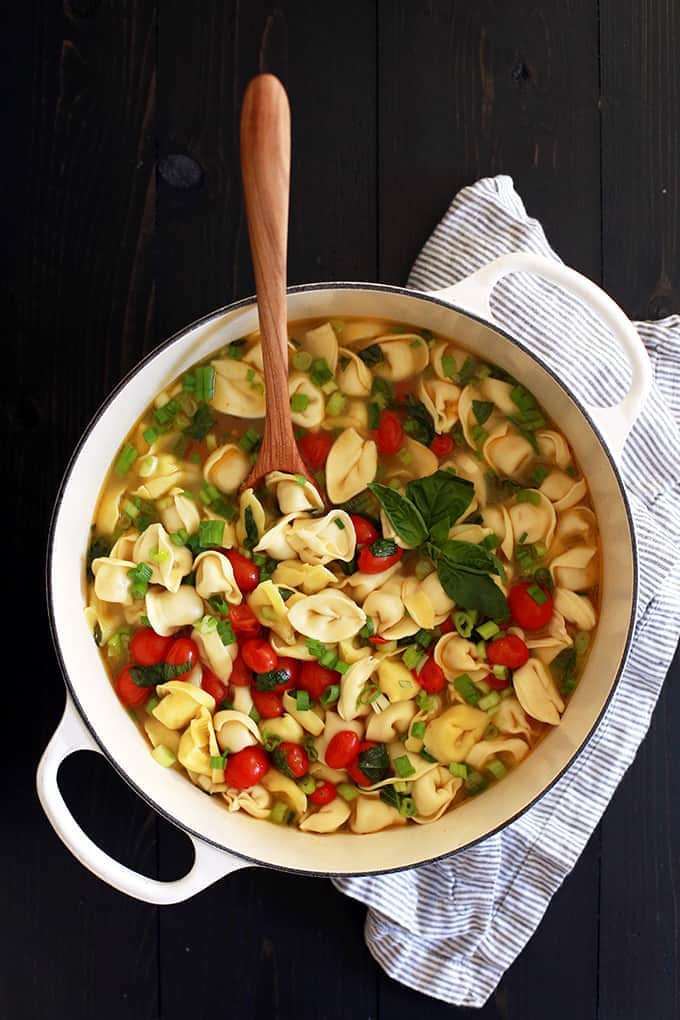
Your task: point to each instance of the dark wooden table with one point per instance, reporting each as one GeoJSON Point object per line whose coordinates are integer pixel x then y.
{"type": "Point", "coordinates": [123, 221]}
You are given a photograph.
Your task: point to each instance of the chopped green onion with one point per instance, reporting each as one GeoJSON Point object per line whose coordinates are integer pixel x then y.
{"type": "Point", "coordinates": [140, 577]}
{"type": "Point", "coordinates": [538, 475]}
{"type": "Point", "coordinates": [280, 813]}
{"type": "Point", "coordinates": [418, 730]}
{"type": "Point", "coordinates": [210, 534]}
{"type": "Point", "coordinates": [163, 755]}
{"type": "Point", "coordinates": [488, 630]}
{"type": "Point", "coordinates": [523, 537]}
{"type": "Point", "coordinates": [329, 659]}
{"type": "Point", "coordinates": [479, 434]}
{"type": "Point", "coordinates": [412, 656]}
{"type": "Point", "coordinates": [544, 577]}
{"type": "Point", "coordinates": [373, 415]}
{"type": "Point", "coordinates": [302, 360]}
{"type": "Point", "coordinates": [329, 695]}
{"type": "Point", "coordinates": [463, 622]}
{"type": "Point", "coordinates": [582, 642]}
{"type": "Point", "coordinates": [368, 629]}
{"type": "Point", "coordinates": [128, 455]}
{"type": "Point", "coordinates": [299, 402]}
{"type": "Point", "coordinates": [405, 456]}
{"type": "Point", "coordinates": [407, 807]}
{"type": "Point", "coordinates": [320, 373]}
{"type": "Point", "coordinates": [339, 523]}
{"type": "Point", "coordinates": [475, 783]}
{"type": "Point", "coordinates": [249, 440]}
{"type": "Point", "coordinates": [500, 671]}
{"type": "Point", "coordinates": [151, 703]}
{"type": "Point", "coordinates": [336, 404]}
{"type": "Point", "coordinates": [458, 768]}
{"type": "Point", "coordinates": [528, 496]}
{"type": "Point", "coordinates": [307, 784]}
{"type": "Point", "coordinates": [167, 413]}
{"type": "Point", "coordinates": [425, 702]}
{"type": "Point", "coordinates": [540, 549]}
{"type": "Point", "coordinates": [218, 761]}
{"type": "Point", "coordinates": [270, 741]}
{"type": "Point", "coordinates": [255, 715]}
{"type": "Point", "coordinates": [150, 435]}
{"type": "Point", "coordinates": [302, 702]}
{"type": "Point", "coordinates": [489, 701]}
{"type": "Point", "coordinates": [496, 767]}
{"type": "Point", "coordinates": [480, 649]}
{"type": "Point", "coordinates": [341, 667]}
{"type": "Point", "coordinates": [467, 689]}
{"type": "Point", "coordinates": [347, 791]}
{"type": "Point", "coordinates": [424, 638]}
{"type": "Point", "coordinates": [537, 594]}
{"type": "Point", "coordinates": [179, 537]}
{"type": "Point", "coordinates": [449, 366]}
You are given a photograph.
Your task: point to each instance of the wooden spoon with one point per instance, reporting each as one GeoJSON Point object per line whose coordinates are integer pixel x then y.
{"type": "Point", "coordinates": [265, 170]}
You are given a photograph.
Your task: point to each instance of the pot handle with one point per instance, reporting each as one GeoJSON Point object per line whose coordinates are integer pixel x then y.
{"type": "Point", "coordinates": [209, 863]}
{"type": "Point", "coordinates": [473, 293]}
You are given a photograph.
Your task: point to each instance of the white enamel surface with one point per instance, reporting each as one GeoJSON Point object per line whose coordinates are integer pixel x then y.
{"type": "Point", "coordinates": [170, 791]}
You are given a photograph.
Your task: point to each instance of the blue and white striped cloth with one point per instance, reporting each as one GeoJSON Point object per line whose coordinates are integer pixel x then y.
{"type": "Point", "coordinates": [451, 929]}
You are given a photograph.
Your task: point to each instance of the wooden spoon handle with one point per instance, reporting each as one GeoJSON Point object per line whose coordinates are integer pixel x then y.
{"type": "Point", "coordinates": [265, 169]}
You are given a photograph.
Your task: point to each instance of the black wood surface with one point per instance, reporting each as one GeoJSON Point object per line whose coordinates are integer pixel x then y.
{"type": "Point", "coordinates": [122, 221]}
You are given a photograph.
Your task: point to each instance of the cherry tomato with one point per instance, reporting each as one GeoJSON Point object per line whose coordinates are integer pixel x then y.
{"type": "Point", "coordinates": [342, 748]}
{"type": "Point", "coordinates": [244, 622]}
{"type": "Point", "coordinates": [268, 704]}
{"type": "Point", "coordinates": [292, 668]}
{"type": "Point", "coordinates": [402, 388]}
{"type": "Point", "coordinates": [390, 434]}
{"type": "Point", "coordinates": [246, 574]}
{"type": "Point", "coordinates": [323, 794]}
{"type": "Point", "coordinates": [529, 614]}
{"type": "Point", "coordinates": [365, 531]}
{"type": "Point", "coordinates": [246, 767]}
{"type": "Point", "coordinates": [315, 679]}
{"type": "Point", "coordinates": [447, 626]}
{"type": "Point", "coordinates": [213, 685]}
{"type": "Point", "coordinates": [259, 655]}
{"type": "Point", "coordinates": [496, 683]}
{"type": "Point", "coordinates": [371, 564]}
{"type": "Point", "coordinates": [149, 648]}
{"type": "Point", "coordinates": [296, 758]}
{"type": "Point", "coordinates": [353, 766]}
{"type": "Point", "coordinates": [442, 445]}
{"type": "Point", "coordinates": [431, 677]}
{"type": "Point", "coordinates": [128, 691]}
{"type": "Point", "coordinates": [241, 676]}
{"type": "Point", "coordinates": [182, 650]}
{"type": "Point", "coordinates": [508, 650]}
{"type": "Point", "coordinates": [315, 447]}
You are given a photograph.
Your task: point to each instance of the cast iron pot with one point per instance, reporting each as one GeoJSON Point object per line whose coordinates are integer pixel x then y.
{"type": "Point", "coordinates": [94, 719]}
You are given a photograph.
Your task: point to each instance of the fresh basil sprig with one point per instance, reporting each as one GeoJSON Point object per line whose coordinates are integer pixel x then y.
{"type": "Point", "coordinates": [150, 676]}
{"type": "Point", "coordinates": [402, 514]}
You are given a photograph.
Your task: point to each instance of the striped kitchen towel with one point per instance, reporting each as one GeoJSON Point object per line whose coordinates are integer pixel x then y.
{"type": "Point", "coordinates": [452, 928]}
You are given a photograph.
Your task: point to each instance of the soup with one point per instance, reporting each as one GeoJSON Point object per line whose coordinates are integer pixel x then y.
{"type": "Point", "coordinates": [368, 650]}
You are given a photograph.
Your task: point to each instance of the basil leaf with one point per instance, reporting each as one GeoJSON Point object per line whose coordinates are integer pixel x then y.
{"type": "Point", "coordinates": [372, 355]}
{"type": "Point", "coordinates": [374, 763]}
{"type": "Point", "coordinates": [482, 410]}
{"type": "Point", "coordinates": [252, 535]}
{"type": "Point", "coordinates": [150, 676]}
{"type": "Point", "coordinates": [472, 591]}
{"type": "Point", "coordinates": [440, 497]}
{"type": "Point", "coordinates": [270, 680]}
{"type": "Point", "coordinates": [280, 760]}
{"type": "Point", "coordinates": [201, 423]}
{"type": "Point", "coordinates": [390, 796]}
{"type": "Point", "coordinates": [475, 559]}
{"type": "Point", "coordinates": [99, 546]}
{"type": "Point", "coordinates": [404, 517]}
{"type": "Point", "coordinates": [419, 423]}
{"type": "Point", "coordinates": [383, 547]}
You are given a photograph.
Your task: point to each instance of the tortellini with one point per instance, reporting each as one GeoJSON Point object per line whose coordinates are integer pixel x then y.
{"type": "Point", "coordinates": [433, 793]}
{"type": "Point", "coordinates": [169, 563]}
{"type": "Point", "coordinates": [322, 539]}
{"type": "Point", "coordinates": [306, 577]}
{"type": "Point", "coordinates": [239, 389]}
{"type": "Point", "coordinates": [180, 513]}
{"type": "Point", "coordinates": [214, 575]}
{"type": "Point", "coordinates": [537, 693]}
{"type": "Point", "coordinates": [112, 582]}
{"type": "Point", "coordinates": [301, 387]}
{"type": "Point", "coordinates": [168, 611]}
{"type": "Point", "coordinates": [220, 657]}
{"type": "Point", "coordinates": [441, 400]}
{"type": "Point", "coordinates": [371, 814]}
{"type": "Point", "coordinates": [353, 376]}
{"type": "Point", "coordinates": [328, 818]}
{"type": "Point", "coordinates": [402, 355]}
{"type": "Point", "coordinates": [293, 492]}
{"type": "Point", "coordinates": [226, 468]}
{"type": "Point", "coordinates": [235, 730]}
{"type": "Point", "coordinates": [452, 734]}
{"type": "Point", "coordinates": [352, 684]}
{"type": "Point", "coordinates": [180, 702]}
{"type": "Point", "coordinates": [352, 463]}
{"type": "Point", "coordinates": [328, 616]}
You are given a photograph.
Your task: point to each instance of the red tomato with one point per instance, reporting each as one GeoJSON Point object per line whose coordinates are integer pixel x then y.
{"type": "Point", "coordinates": [241, 676]}
{"type": "Point", "coordinates": [323, 794]}
{"type": "Point", "coordinates": [213, 685]}
{"type": "Point", "coordinates": [246, 574]}
{"type": "Point", "coordinates": [342, 748]}
{"type": "Point", "coordinates": [296, 758]}
{"type": "Point", "coordinates": [442, 445]}
{"type": "Point", "coordinates": [292, 668]}
{"type": "Point", "coordinates": [259, 655]}
{"type": "Point", "coordinates": [508, 650]}
{"type": "Point", "coordinates": [315, 447]}
{"type": "Point", "coordinates": [377, 640]}
{"type": "Point", "coordinates": [371, 564]}
{"type": "Point", "coordinates": [182, 650]}
{"type": "Point", "coordinates": [149, 648]}
{"type": "Point", "coordinates": [529, 614]}
{"type": "Point", "coordinates": [128, 691]}
{"type": "Point", "coordinates": [402, 388]}
{"type": "Point", "coordinates": [315, 679]}
{"type": "Point", "coordinates": [447, 626]}
{"type": "Point", "coordinates": [431, 677]}
{"type": "Point", "coordinates": [365, 531]}
{"type": "Point", "coordinates": [496, 683]}
{"type": "Point", "coordinates": [246, 767]}
{"type": "Point", "coordinates": [353, 767]}
{"type": "Point", "coordinates": [268, 704]}
{"type": "Point", "coordinates": [244, 622]}
{"type": "Point", "coordinates": [390, 435]}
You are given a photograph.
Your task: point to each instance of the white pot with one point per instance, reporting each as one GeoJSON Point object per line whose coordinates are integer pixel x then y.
{"type": "Point", "coordinates": [95, 719]}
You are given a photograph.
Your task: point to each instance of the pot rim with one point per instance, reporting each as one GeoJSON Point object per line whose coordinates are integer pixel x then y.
{"type": "Point", "coordinates": [234, 306]}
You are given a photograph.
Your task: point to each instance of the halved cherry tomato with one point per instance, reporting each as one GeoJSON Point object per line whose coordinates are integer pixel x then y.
{"type": "Point", "coordinates": [371, 564]}
{"type": "Point", "coordinates": [526, 611]}
{"type": "Point", "coordinates": [259, 655]}
{"type": "Point", "coordinates": [390, 434]}
{"type": "Point", "coordinates": [182, 650]}
{"type": "Point", "coordinates": [442, 446]}
{"type": "Point", "coordinates": [431, 677]}
{"type": "Point", "coordinates": [243, 621]}
{"type": "Point", "coordinates": [241, 676]}
{"type": "Point", "coordinates": [402, 388]}
{"type": "Point", "coordinates": [447, 626]}
{"type": "Point", "coordinates": [246, 574]}
{"type": "Point", "coordinates": [296, 758]}
{"type": "Point", "coordinates": [246, 768]}
{"type": "Point", "coordinates": [292, 668]}
{"type": "Point", "coordinates": [213, 685]}
{"type": "Point", "coordinates": [128, 691]}
{"type": "Point", "coordinates": [508, 650]}
{"type": "Point", "coordinates": [365, 531]}
{"type": "Point", "coordinates": [353, 766]}
{"type": "Point", "coordinates": [149, 648]}
{"type": "Point", "coordinates": [315, 679]}
{"type": "Point", "coordinates": [268, 704]}
{"type": "Point", "coordinates": [496, 683]}
{"type": "Point", "coordinates": [315, 447]}
{"type": "Point", "coordinates": [323, 794]}
{"type": "Point", "coordinates": [342, 748]}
